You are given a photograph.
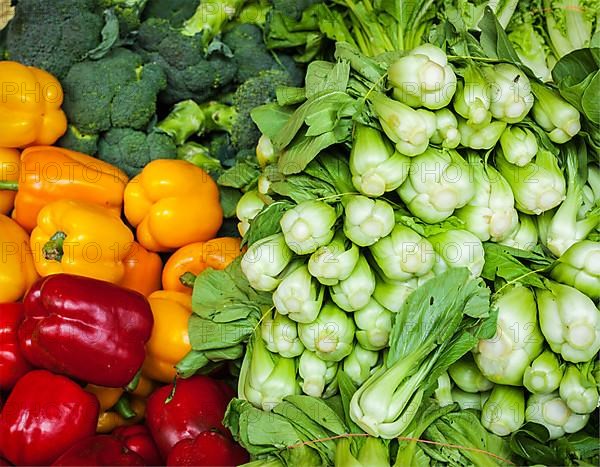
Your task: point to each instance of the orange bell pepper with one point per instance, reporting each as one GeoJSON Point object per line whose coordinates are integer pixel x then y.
{"type": "Point", "coordinates": [50, 173]}
{"type": "Point", "coordinates": [107, 397]}
{"type": "Point", "coordinates": [142, 270]}
{"type": "Point", "coordinates": [76, 237]}
{"type": "Point", "coordinates": [17, 267]}
{"type": "Point", "coordinates": [135, 407]}
{"type": "Point", "coordinates": [186, 263]}
{"type": "Point", "coordinates": [170, 341]}
{"type": "Point", "coordinates": [9, 172]}
{"type": "Point", "coordinates": [30, 106]}
{"type": "Point", "coordinates": [173, 203]}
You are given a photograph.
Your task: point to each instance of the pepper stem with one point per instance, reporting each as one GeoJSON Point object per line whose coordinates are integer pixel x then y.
{"type": "Point", "coordinates": [8, 185]}
{"type": "Point", "coordinates": [53, 250]}
{"type": "Point", "coordinates": [123, 408]}
{"type": "Point", "coordinates": [133, 384]}
{"type": "Point", "coordinates": [188, 279]}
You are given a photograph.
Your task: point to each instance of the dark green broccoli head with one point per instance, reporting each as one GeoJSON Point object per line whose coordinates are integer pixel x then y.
{"type": "Point", "coordinates": [115, 91]}
{"type": "Point", "coordinates": [190, 74]}
{"type": "Point", "coordinates": [75, 140]}
{"type": "Point", "coordinates": [252, 93]}
{"type": "Point", "coordinates": [53, 35]}
{"type": "Point", "coordinates": [175, 11]}
{"type": "Point", "coordinates": [132, 150]}
{"type": "Point", "coordinates": [249, 51]}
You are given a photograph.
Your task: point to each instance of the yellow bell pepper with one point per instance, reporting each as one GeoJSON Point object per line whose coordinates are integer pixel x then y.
{"type": "Point", "coordinates": [9, 172]}
{"type": "Point", "coordinates": [82, 238]}
{"type": "Point", "coordinates": [170, 341]}
{"type": "Point", "coordinates": [109, 420]}
{"type": "Point", "coordinates": [17, 268]}
{"type": "Point", "coordinates": [107, 397]}
{"type": "Point", "coordinates": [30, 101]}
{"type": "Point", "coordinates": [173, 203]}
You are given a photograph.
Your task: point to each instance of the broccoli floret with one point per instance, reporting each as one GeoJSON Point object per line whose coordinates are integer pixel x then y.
{"type": "Point", "coordinates": [132, 150]}
{"type": "Point", "coordinates": [77, 141]}
{"type": "Point", "coordinates": [190, 74]}
{"type": "Point", "coordinates": [128, 12]}
{"type": "Point", "coordinates": [252, 93]}
{"type": "Point", "coordinates": [175, 11]}
{"type": "Point", "coordinates": [115, 91]}
{"type": "Point", "coordinates": [249, 51]}
{"type": "Point", "coordinates": [292, 8]}
{"type": "Point", "coordinates": [53, 35]}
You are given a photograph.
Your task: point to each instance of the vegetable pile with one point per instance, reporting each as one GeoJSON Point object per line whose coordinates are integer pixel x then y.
{"type": "Point", "coordinates": [378, 220]}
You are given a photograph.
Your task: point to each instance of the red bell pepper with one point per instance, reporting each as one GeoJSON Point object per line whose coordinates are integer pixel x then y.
{"type": "Point", "coordinates": [12, 362]}
{"type": "Point", "coordinates": [198, 405]}
{"type": "Point", "coordinates": [210, 448]}
{"type": "Point", "coordinates": [99, 450]}
{"type": "Point", "coordinates": [44, 415]}
{"type": "Point", "coordinates": [4, 462]}
{"type": "Point", "coordinates": [137, 439]}
{"type": "Point", "coordinates": [85, 328]}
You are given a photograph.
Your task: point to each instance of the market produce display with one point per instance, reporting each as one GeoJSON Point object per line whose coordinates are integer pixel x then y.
{"type": "Point", "coordinates": [299, 233]}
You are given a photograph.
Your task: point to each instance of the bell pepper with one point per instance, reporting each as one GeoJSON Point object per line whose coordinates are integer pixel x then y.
{"type": "Point", "coordinates": [12, 362]}
{"type": "Point", "coordinates": [80, 238]}
{"type": "Point", "coordinates": [30, 106]}
{"type": "Point", "coordinates": [44, 415]}
{"type": "Point", "coordinates": [99, 450]}
{"type": "Point", "coordinates": [173, 203]}
{"type": "Point", "coordinates": [187, 262]}
{"type": "Point", "coordinates": [107, 397]}
{"type": "Point", "coordinates": [170, 341]}
{"type": "Point", "coordinates": [9, 172]}
{"type": "Point", "coordinates": [137, 439]}
{"type": "Point", "coordinates": [91, 330]}
{"type": "Point", "coordinates": [210, 448]}
{"type": "Point", "coordinates": [198, 404]}
{"type": "Point", "coordinates": [127, 411]}
{"type": "Point", "coordinates": [50, 173]}
{"type": "Point", "coordinates": [17, 267]}
{"type": "Point", "coordinates": [142, 270]}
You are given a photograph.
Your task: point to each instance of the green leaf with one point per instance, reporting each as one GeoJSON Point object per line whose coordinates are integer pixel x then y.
{"type": "Point", "coordinates": [207, 335]}
{"type": "Point", "coordinates": [324, 76]}
{"type": "Point", "coordinates": [318, 411]}
{"type": "Point", "coordinates": [501, 262]}
{"type": "Point", "coordinates": [270, 118]}
{"type": "Point", "coordinates": [229, 199]}
{"type": "Point", "coordinates": [494, 40]}
{"type": "Point", "coordinates": [242, 175]}
{"type": "Point", "coordinates": [304, 149]}
{"type": "Point", "coordinates": [302, 188]}
{"type": "Point", "coordinates": [334, 170]}
{"type": "Point", "coordinates": [288, 95]}
{"type": "Point", "coordinates": [427, 230]}
{"type": "Point", "coordinates": [110, 36]}
{"type": "Point", "coordinates": [347, 390]}
{"type": "Point", "coordinates": [434, 311]}
{"type": "Point", "coordinates": [266, 223]}
{"type": "Point", "coordinates": [191, 363]}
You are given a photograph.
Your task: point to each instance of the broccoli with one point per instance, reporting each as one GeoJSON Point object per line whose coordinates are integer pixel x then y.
{"type": "Point", "coordinates": [53, 35]}
{"type": "Point", "coordinates": [128, 12]}
{"type": "Point", "coordinates": [115, 91]}
{"type": "Point", "coordinates": [250, 54]}
{"type": "Point", "coordinates": [131, 150]}
{"type": "Point", "coordinates": [75, 140]}
{"type": "Point", "coordinates": [189, 118]}
{"type": "Point", "coordinates": [190, 74]}
{"type": "Point", "coordinates": [175, 11]}
{"type": "Point", "coordinates": [292, 8]}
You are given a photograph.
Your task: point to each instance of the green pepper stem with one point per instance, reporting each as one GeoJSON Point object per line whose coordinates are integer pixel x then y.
{"type": "Point", "coordinates": [8, 185]}
{"type": "Point", "coordinates": [133, 384]}
{"type": "Point", "coordinates": [123, 408]}
{"type": "Point", "coordinates": [188, 279]}
{"type": "Point", "coordinates": [53, 249]}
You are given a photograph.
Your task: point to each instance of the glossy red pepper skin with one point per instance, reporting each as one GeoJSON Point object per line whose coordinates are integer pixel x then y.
{"type": "Point", "coordinates": [198, 405]}
{"type": "Point", "coordinates": [99, 450]}
{"type": "Point", "coordinates": [44, 415]}
{"type": "Point", "coordinates": [13, 364]}
{"type": "Point", "coordinates": [85, 328]}
{"type": "Point", "coordinates": [208, 449]}
{"type": "Point", "coordinates": [137, 438]}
